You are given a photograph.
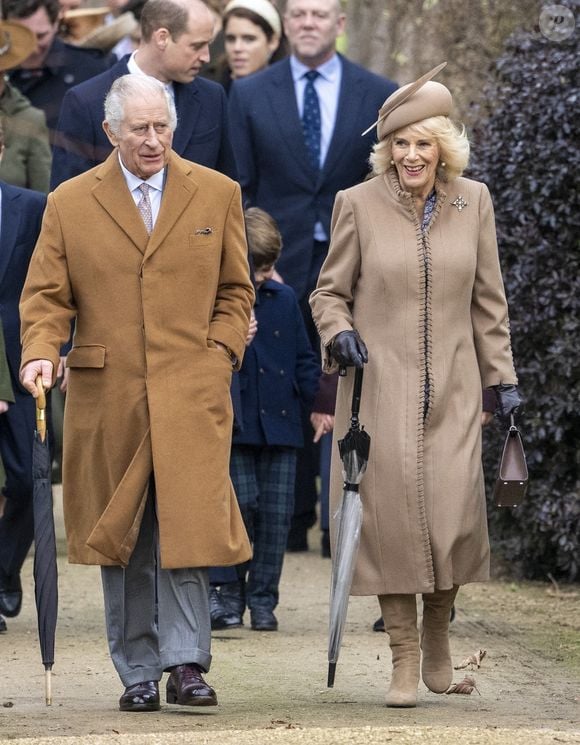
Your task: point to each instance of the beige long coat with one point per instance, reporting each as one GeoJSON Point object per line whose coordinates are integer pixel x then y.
{"type": "Point", "coordinates": [435, 307]}
{"type": "Point", "coordinates": [149, 388]}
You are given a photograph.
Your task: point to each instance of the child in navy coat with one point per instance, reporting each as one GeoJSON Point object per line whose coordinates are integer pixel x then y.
{"type": "Point", "coordinates": [279, 371]}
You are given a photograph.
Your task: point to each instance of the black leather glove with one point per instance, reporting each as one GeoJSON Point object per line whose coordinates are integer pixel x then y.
{"type": "Point", "coordinates": [508, 401]}
{"type": "Point", "coordinates": [349, 350]}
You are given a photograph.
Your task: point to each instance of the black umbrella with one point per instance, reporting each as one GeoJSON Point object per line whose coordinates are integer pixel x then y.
{"type": "Point", "coordinates": [45, 572]}
{"type": "Point", "coordinates": [354, 452]}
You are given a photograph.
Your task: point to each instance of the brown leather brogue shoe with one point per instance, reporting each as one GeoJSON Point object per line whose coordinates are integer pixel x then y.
{"type": "Point", "coordinates": [141, 697]}
{"type": "Point", "coordinates": [187, 687]}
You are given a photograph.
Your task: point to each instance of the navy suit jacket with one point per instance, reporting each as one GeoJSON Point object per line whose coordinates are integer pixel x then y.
{"type": "Point", "coordinates": [202, 134]}
{"type": "Point", "coordinates": [279, 372]}
{"type": "Point", "coordinates": [22, 211]}
{"type": "Point", "coordinates": [273, 165]}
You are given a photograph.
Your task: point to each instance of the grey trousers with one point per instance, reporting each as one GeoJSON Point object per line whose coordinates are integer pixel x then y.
{"type": "Point", "coordinates": [156, 618]}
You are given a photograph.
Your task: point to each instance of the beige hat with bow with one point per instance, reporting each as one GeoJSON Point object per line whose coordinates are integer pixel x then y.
{"type": "Point", "coordinates": [413, 103]}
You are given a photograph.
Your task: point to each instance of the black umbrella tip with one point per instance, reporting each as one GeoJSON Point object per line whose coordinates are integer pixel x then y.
{"type": "Point", "coordinates": [331, 674]}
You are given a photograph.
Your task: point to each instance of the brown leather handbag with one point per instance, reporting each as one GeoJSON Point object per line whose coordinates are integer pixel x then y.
{"type": "Point", "coordinates": [511, 483]}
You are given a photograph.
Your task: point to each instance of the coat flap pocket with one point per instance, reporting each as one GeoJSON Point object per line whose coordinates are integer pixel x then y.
{"type": "Point", "coordinates": [90, 355]}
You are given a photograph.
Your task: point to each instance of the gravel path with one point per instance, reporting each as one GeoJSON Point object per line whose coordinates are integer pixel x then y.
{"type": "Point", "coordinates": [271, 686]}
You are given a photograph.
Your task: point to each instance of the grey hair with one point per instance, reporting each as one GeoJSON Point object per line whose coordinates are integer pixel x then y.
{"type": "Point", "coordinates": [142, 87]}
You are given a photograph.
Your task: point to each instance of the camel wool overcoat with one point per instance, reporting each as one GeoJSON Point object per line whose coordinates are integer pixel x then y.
{"type": "Point", "coordinates": [433, 314]}
{"type": "Point", "coordinates": [149, 388]}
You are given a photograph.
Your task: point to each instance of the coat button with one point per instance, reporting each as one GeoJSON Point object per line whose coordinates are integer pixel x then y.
{"type": "Point", "coordinates": [282, 372]}
{"type": "Point", "coordinates": [261, 371]}
{"type": "Point", "coordinates": [283, 412]}
{"type": "Point", "coordinates": [276, 333]}
{"type": "Point", "coordinates": [262, 411]}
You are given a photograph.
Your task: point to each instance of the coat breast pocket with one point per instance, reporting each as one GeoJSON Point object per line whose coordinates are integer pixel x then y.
{"type": "Point", "coordinates": [204, 238]}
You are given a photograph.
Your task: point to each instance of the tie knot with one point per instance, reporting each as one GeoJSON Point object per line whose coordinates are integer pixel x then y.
{"type": "Point", "coordinates": [311, 75]}
{"type": "Point", "coordinates": [144, 189]}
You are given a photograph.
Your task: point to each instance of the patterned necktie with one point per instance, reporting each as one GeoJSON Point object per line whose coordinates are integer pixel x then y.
{"type": "Point", "coordinates": [144, 207]}
{"type": "Point", "coordinates": [311, 119]}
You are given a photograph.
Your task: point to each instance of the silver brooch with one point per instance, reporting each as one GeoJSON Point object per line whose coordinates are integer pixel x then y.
{"type": "Point", "coordinates": [460, 203]}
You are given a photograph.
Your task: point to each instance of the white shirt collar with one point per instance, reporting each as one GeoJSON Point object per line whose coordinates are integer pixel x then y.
{"type": "Point", "coordinates": [329, 70]}
{"type": "Point", "coordinates": [134, 69]}
{"type": "Point", "coordinates": [134, 182]}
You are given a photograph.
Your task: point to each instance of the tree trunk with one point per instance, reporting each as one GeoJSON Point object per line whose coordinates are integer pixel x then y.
{"type": "Point", "coordinates": [402, 39]}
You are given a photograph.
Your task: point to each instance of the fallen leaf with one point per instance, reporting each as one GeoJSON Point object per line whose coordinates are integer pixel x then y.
{"type": "Point", "coordinates": [473, 659]}
{"type": "Point", "coordinates": [465, 686]}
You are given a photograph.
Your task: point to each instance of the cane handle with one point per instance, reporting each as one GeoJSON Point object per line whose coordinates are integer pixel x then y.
{"type": "Point", "coordinates": [40, 409]}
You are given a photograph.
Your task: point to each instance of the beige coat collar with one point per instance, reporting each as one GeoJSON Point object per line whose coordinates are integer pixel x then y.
{"type": "Point", "coordinates": [112, 194]}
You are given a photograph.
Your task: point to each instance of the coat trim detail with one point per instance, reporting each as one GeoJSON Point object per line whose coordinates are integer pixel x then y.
{"type": "Point", "coordinates": [424, 337]}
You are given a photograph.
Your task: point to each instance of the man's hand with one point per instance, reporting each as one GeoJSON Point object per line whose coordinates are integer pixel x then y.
{"type": "Point", "coordinates": [4, 406]}
{"type": "Point", "coordinates": [252, 330]}
{"type": "Point", "coordinates": [232, 358]}
{"type": "Point", "coordinates": [31, 371]}
{"type": "Point", "coordinates": [62, 373]}
{"type": "Point", "coordinates": [321, 424]}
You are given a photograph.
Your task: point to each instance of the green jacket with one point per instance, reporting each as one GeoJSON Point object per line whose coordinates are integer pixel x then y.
{"type": "Point", "coordinates": [27, 158]}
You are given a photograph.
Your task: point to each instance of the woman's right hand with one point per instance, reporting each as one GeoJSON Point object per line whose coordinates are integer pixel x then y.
{"type": "Point", "coordinates": [349, 350]}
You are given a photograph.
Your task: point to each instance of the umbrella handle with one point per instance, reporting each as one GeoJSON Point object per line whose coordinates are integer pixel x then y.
{"type": "Point", "coordinates": [41, 410]}
{"type": "Point", "coordinates": [356, 391]}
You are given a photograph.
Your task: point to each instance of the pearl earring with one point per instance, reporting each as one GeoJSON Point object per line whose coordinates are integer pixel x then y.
{"type": "Point", "coordinates": [392, 162]}
{"type": "Point", "coordinates": [443, 164]}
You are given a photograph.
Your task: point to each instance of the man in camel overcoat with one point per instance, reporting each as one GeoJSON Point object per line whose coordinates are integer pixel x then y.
{"type": "Point", "coordinates": [147, 254]}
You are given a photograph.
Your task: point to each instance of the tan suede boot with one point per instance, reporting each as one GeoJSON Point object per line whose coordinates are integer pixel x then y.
{"type": "Point", "coordinates": [400, 615]}
{"type": "Point", "coordinates": [436, 666]}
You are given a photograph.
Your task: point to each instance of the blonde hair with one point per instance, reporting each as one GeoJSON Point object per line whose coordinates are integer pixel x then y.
{"type": "Point", "coordinates": [451, 140]}
{"type": "Point", "coordinates": [264, 239]}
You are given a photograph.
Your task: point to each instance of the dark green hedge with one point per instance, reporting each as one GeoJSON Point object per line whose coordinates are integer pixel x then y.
{"type": "Point", "coordinates": [526, 148]}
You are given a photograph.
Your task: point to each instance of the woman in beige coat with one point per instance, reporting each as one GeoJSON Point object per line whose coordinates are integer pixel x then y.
{"type": "Point", "coordinates": [413, 271]}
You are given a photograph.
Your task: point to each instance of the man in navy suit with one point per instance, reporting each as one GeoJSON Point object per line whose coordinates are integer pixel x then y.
{"type": "Point", "coordinates": [295, 148]}
{"type": "Point", "coordinates": [174, 47]}
{"type": "Point", "coordinates": [20, 218]}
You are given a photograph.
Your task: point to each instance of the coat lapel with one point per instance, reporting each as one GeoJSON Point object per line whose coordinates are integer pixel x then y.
{"type": "Point", "coordinates": [287, 119]}
{"type": "Point", "coordinates": [10, 225]}
{"type": "Point", "coordinates": [114, 196]}
{"type": "Point", "coordinates": [349, 104]}
{"type": "Point", "coordinates": [188, 110]}
{"type": "Point", "coordinates": [177, 194]}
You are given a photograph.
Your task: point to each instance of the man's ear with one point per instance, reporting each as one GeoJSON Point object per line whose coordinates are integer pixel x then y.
{"type": "Point", "coordinates": [113, 139]}
{"type": "Point", "coordinates": [161, 38]}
